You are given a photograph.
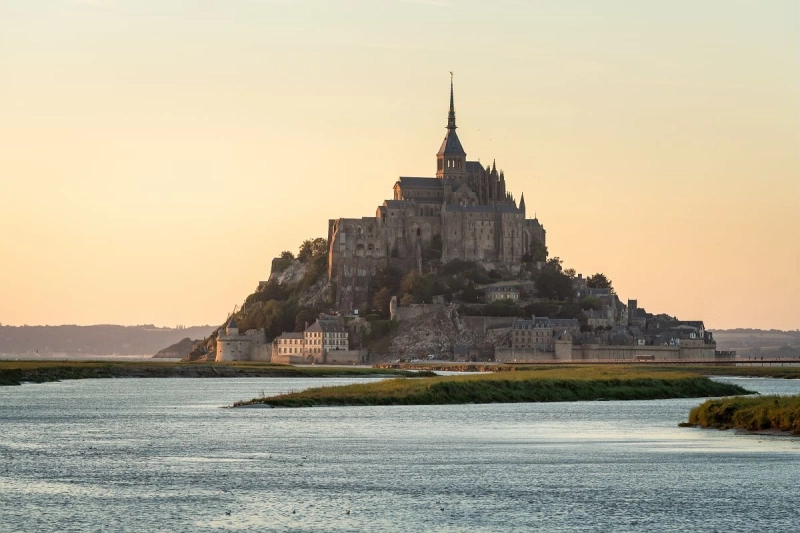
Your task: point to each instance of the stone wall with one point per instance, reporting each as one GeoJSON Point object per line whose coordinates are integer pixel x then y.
{"type": "Point", "coordinates": [288, 359]}
{"type": "Point", "coordinates": [416, 310]}
{"type": "Point", "coordinates": [483, 323]}
{"type": "Point", "coordinates": [596, 352]}
{"type": "Point", "coordinates": [345, 357]}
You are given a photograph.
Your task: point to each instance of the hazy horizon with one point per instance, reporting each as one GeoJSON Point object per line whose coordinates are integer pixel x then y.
{"type": "Point", "coordinates": [158, 154]}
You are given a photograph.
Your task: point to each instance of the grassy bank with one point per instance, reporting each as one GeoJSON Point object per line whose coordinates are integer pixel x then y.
{"type": "Point", "coordinates": [780, 372]}
{"type": "Point", "coordinates": [779, 413]}
{"type": "Point", "coordinates": [16, 372]}
{"type": "Point", "coordinates": [556, 384]}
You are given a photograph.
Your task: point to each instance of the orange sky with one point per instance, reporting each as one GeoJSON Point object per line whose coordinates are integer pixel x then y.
{"type": "Point", "coordinates": [155, 155]}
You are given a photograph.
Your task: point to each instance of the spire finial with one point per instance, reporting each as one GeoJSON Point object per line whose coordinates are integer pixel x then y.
{"type": "Point", "coordinates": [451, 116]}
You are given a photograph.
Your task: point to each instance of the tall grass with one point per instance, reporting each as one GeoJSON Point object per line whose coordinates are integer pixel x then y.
{"type": "Point", "coordinates": [781, 413]}
{"type": "Point", "coordinates": [553, 385]}
{"type": "Point", "coordinates": [16, 372]}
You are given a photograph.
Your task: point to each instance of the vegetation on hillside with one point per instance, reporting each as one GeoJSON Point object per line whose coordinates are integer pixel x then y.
{"type": "Point", "coordinates": [278, 308]}
{"type": "Point", "coordinates": [779, 413]}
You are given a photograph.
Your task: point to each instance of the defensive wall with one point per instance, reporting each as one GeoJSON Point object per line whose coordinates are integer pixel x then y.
{"type": "Point", "coordinates": [332, 357]}
{"type": "Point", "coordinates": [595, 352]}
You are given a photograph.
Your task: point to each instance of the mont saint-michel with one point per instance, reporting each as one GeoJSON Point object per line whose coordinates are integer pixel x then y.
{"type": "Point", "coordinates": [450, 267]}
{"type": "Point", "coordinates": [464, 213]}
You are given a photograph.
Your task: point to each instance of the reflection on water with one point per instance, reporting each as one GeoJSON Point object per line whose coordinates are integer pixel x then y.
{"type": "Point", "coordinates": [160, 455]}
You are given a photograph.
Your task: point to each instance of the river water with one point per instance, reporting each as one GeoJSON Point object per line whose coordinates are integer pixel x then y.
{"type": "Point", "coordinates": [161, 455]}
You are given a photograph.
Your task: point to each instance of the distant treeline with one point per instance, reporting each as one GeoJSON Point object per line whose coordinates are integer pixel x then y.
{"type": "Point", "coordinates": [97, 340]}
{"type": "Point", "coordinates": [757, 331]}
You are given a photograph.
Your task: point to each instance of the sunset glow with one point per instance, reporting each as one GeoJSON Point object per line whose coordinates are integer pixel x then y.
{"type": "Point", "coordinates": [156, 155]}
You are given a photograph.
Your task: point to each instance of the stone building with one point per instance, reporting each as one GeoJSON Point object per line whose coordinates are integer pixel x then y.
{"type": "Point", "coordinates": [289, 347]}
{"type": "Point", "coordinates": [465, 212]}
{"type": "Point", "coordinates": [536, 333]}
{"type": "Point", "coordinates": [498, 292]}
{"type": "Point", "coordinates": [325, 341]}
{"type": "Point", "coordinates": [233, 346]}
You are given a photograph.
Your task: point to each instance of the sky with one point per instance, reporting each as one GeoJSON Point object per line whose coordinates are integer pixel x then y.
{"type": "Point", "coordinates": [155, 155]}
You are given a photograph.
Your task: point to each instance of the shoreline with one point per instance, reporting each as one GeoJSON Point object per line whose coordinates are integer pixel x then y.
{"type": "Point", "coordinates": [14, 373]}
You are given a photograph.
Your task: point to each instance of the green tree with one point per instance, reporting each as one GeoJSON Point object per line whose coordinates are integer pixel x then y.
{"type": "Point", "coordinates": [407, 299]}
{"type": "Point", "coordinates": [286, 254]}
{"type": "Point", "coordinates": [472, 295]}
{"type": "Point", "coordinates": [306, 316]}
{"type": "Point", "coordinates": [312, 248]}
{"type": "Point", "coordinates": [591, 302]}
{"type": "Point", "coordinates": [553, 284]}
{"type": "Point", "coordinates": [538, 251]}
{"type": "Point", "coordinates": [387, 277]}
{"type": "Point", "coordinates": [599, 281]}
{"type": "Point", "coordinates": [381, 301]}
{"type": "Point", "coordinates": [554, 264]}
{"type": "Point", "coordinates": [418, 285]}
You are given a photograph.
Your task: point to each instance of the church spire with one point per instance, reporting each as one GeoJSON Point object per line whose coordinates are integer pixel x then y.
{"type": "Point", "coordinates": [451, 160]}
{"type": "Point", "coordinates": [451, 116]}
{"type": "Point", "coordinates": [522, 203]}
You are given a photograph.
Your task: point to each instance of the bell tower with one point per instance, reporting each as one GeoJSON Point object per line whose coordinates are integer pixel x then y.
{"type": "Point", "coordinates": [451, 160]}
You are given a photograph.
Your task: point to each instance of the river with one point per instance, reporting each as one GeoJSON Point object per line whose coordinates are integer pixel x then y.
{"type": "Point", "coordinates": [161, 455]}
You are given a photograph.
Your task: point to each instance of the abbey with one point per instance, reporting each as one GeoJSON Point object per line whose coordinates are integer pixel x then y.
{"type": "Point", "coordinates": [464, 213]}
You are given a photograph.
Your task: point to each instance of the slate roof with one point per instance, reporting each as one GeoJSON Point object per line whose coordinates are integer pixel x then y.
{"type": "Point", "coordinates": [407, 181]}
{"type": "Point", "coordinates": [521, 323]}
{"type": "Point", "coordinates": [565, 323]}
{"type": "Point", "coordinates": [395, 204]}
{"type": "Point", "coordinates": [451, 144]}
{"type": "Point", "coordinates": [327, 326]}
{"type": "Point", "coordinates": [474, 166]}
{"type": "Point", "coordinates": [451, 208]}
{"type": "Point", "coordinates": [290, 335]}
{"type": "Point", "coordinates": [232, 324]}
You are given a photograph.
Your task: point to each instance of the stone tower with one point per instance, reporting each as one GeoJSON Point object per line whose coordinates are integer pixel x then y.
{"type": "Point", "coordinates": [451, 160]}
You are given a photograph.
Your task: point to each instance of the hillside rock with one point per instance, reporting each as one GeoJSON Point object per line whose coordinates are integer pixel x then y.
{"type": "Point", "coordinates": [437, 332]}
{"type": "Point", "coordinates": [291, 274]}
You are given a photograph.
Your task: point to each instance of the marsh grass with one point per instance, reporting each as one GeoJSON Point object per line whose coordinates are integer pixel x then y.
{"type": "Point", "coordinates": [780, 413]}
{"type": "Point", "coordinates": [554, 384]}
{"type": "Point", "coordinates": [17, 372]}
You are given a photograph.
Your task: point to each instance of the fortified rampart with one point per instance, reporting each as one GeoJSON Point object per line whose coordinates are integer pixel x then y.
{"type": "Point", "coordinates": [595, 352]}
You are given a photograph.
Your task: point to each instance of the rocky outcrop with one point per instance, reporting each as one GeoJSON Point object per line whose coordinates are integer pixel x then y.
{"type": "Point", "coordinates": [439, 331]}
{"type": "Point", "coordinates": [179, 350]}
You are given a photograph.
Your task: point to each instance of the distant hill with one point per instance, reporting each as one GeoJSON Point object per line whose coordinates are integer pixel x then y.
{"type": "Point", "coordinates": [94, 340]}
{"type": "Point", "coordinates": [759, 342]}
{"type": "Point", "coordinates": [179, 350]}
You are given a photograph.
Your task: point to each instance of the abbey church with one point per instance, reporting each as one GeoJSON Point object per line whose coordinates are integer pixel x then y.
{"type": "Point", "coordinates": [465, 213]}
